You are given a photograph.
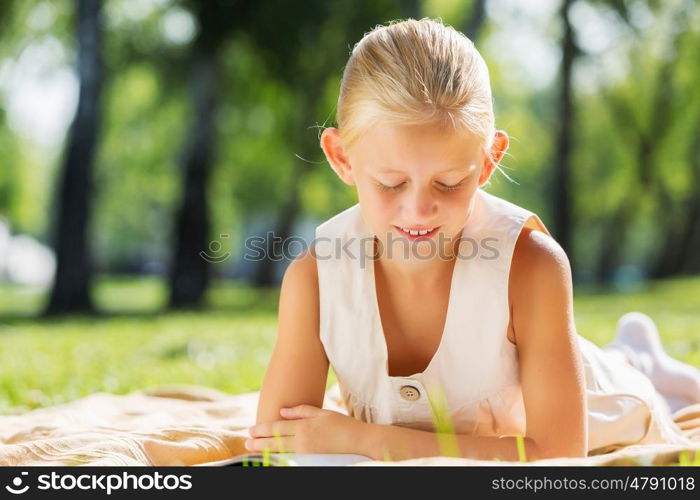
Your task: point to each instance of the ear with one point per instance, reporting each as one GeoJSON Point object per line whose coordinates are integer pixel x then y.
{"type": "Point", "coordinates": [491, 160]}
{"type": "Point", "coordinates": [333, 148]}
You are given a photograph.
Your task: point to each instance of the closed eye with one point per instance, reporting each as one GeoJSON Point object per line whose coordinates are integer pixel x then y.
{"type": "Point", "coordinates": [452, 187]}
{"type": "Point", "coordinates": [384, 187]}
{"type": "Point", "coordinates": [447, 187]}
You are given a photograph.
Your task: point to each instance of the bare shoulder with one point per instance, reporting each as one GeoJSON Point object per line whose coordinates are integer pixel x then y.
{"type": "Point", "coordinates": [540, 281]}
{"type": "Point", "coordinates": [302, 271]}
{"type": "Point", "coordinates": [299, 297]}
{"type": "Point", "coordinates": [537, 256]}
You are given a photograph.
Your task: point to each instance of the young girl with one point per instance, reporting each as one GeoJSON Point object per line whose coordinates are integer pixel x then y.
{"type": "Point", "coordinates": [431, 293]}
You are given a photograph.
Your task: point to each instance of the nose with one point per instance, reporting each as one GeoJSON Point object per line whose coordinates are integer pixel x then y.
{"type": "Point", "coordinates": [420, 207]}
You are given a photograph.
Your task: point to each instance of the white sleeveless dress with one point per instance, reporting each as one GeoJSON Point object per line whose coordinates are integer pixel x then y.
{"type": "Point", "coordinates": [474, 372]}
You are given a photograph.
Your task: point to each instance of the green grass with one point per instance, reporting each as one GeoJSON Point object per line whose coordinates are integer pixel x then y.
{"type": "Point", "coordinates": [226, 346]}
{"type": "Point", "coordinates": [133, 345]}
{"type": "Point", "coordinates": [673, 304]}
{"type": "Point", "coordinates": [687, 458]}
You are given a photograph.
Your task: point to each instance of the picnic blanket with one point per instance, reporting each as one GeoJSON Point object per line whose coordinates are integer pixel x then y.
{"type": "Point", "coordinates": [188, 425]}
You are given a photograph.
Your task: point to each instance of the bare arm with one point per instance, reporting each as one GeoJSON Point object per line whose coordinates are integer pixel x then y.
{"type": "Point", "coordinates": [551, 370]}
{"type": "Point", "coordinates": [298, 368]}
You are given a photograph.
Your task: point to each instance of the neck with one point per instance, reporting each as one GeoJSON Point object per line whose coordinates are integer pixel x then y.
{"type": "Point", "coordinates": [415, 273]}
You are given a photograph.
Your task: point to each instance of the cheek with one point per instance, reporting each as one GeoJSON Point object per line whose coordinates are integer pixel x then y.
{"type": "Point", "coordinates": [386, 204]}
{"type": "Point", "coordinates": [455, 206]}
{"type": "Point", "coordinates": [381, 204]}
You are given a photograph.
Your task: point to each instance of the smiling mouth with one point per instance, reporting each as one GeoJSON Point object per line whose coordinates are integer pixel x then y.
{"type": "Point", "coordinates": [414, 234]}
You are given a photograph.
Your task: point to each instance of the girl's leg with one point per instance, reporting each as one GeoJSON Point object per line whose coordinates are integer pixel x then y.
{"type": "Point", "coordinates": [638, 339]}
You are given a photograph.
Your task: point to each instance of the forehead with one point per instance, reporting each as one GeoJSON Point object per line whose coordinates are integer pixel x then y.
{"type": "Point", "coordinates": [387, 148]}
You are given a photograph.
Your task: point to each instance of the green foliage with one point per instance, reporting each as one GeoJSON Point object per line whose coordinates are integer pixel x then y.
{"type": "Point", "coordinates": [279, 82]}
{"type": "Point", "coordinates": [135, 181]}
{"type": "Point", "coordinates": [26, 171]}
{"type": "Point", "coordinates": [452, 12]}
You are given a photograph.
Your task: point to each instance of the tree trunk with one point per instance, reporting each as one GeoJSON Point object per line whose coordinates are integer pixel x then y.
{"type": "Point", "coordinates": [691, 256]}
{"type": "Point", "coordinates": [561, 209]}
{"type": "Point", "coordinates": [690, 244]}
{"type": "Point", "coordinates": [562, 202]}
{"type": "Point", "coordinates": [614, 238]}
{"type": "Point", "coordinates": [673, 229]}
{"type": "Point", "coordinates": [412, 9]}
{"type": "Point", "coordinates": [646, 141]}
{"type": "Point", "coordinates": [189, 274]}
{"type": "Point", "coordinates": [265, 272]}
{"type": "Point", "coordinates": [475, 22]}
{"type": "Point", "coordinates": [672, 225]}
{"type": "Point", "coordinates": [71, 288]}
{"type": "Point", "coordinates": [682, 241]}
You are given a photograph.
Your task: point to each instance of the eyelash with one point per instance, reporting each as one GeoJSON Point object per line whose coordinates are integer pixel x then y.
{"type": "Point", "coordinates": [396, 188]}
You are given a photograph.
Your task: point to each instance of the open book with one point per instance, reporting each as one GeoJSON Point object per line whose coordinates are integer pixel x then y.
{"type": "Point", "coordinates": [290, 459]}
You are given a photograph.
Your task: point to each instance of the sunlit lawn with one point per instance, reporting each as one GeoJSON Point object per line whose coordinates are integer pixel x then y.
{"type": "Point", "coordinates": [49, 361]}
{"type": "Point", "coordinates": [227, 346]}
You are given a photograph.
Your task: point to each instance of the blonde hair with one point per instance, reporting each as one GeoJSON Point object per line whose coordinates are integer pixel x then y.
{"type": "Point", "coordinates": [418, 72]}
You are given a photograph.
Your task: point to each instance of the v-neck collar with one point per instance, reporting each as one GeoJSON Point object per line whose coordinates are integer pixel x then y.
{"type": "Point", "coordinates": [378, 328]}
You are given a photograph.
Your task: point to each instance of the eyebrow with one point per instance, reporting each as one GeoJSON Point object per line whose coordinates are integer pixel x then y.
{"type": "Point", "coordinates": [394, 171]}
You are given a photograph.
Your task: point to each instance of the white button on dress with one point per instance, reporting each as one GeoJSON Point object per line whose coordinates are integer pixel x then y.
{"type": "Point", "coordinates": [409, 393]}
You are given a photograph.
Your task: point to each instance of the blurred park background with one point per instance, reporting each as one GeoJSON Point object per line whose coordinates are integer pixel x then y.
{"type": "Point", "coordinates": [143, 141]}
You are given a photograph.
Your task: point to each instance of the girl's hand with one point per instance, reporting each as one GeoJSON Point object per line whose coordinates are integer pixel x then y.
{"type": "Point", "coordinates": [307, 429]}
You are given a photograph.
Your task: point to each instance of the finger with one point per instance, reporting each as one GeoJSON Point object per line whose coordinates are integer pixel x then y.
{"type": "Point", "coordinates": [283, 444]}
{"type": "Point", "coordinates": [271, 429]}
{"type": "Point", "coordinates": [301, 411]}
